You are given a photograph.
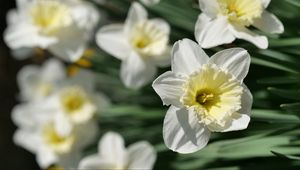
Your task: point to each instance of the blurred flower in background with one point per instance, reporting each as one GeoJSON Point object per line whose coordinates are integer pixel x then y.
{"type": "Point", "coordinates": [62, 27]}
{"type": "Point", "coordinates": [222, 21]}
{"type": "Point", "coordinates": [56, 120]}
{"type": "Point", "coordinates": [140, 43]}
{"type": "Point", "coordinates": [37, 83]}
{"type": "Point", "coordinates": [112, 154]}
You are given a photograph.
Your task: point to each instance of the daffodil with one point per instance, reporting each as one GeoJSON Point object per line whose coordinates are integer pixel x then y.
{"type": "Point", "coordinates": [77, 99]}
{"type": "Point", "coordinates": [140, 43]}
{"type": "Point", "coordinates": [50, 136]}
{"type": "Point", "coordinates": [222, 21]}
{"type": "Point", "coordinates": [206, 95]}
{"type": "Point", "coordinates": [62, 27]}
{"type": "Point", "coordinates": [37, 83]}
{"type": "Point", "coordinates": [112, 154]}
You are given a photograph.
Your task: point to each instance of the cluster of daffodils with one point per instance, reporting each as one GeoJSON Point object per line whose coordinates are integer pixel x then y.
{"type": "Point", "coordinates": [56, 117]}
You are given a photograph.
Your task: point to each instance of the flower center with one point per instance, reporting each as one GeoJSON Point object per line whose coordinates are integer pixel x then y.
{"type": "Point", "coordinates": [55, 141]}
{"type": "Point", "coordinates": [213, 94]}
{"type": "Point", "coordinates": [50, 16]}
{"type": "Point", "coordinates": [242, 12]}
{"type": "Point", "coordinates": [204, 97]}
{"type": "Point", "coordinates": [73, 99]}
{"type": "Point", "coordinates": [148, 39]}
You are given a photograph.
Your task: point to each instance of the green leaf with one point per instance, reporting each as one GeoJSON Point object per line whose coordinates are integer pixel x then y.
{"type": "Point", "coordinates": [289, 94]}
{"type": "Point", "coordinates": [285, 156]}
{"type": "Point", "coordinates": [294, 107]}
{"type": "Point", "coordinates": [294, 2]}
{"type": "Point", "coordinates": [271, 64]}
{"type": "Point", "coordinates": [273, 116]}
{"type": "Point", "coordinates": [137, 111]}
{"type": "Point", "coordinates": [279, 80]}
{"type": "Point", "coordinates": [284, 42]}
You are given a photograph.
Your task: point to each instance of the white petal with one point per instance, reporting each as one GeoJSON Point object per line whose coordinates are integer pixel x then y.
{"type": "Point", "coordinates": [30, 115]}
{"type": "Point", "coordinates": [212, 32]}
{"type": "Point", "coordinates": [169, 88]}
{"type": "Point", "coordinates": [21, 116]}
{"type": "Point", "coordinates": [269, 23]}
{"type": "Point", "coordinates": [235, 60]}
{"type": "Point", "coordinates": [21, 4]}
{"type": "Point", "coordinates": [187, 57]}
{"type": "Point", "coordinates": [210, 7]}
{"type": "Point", "coordinates": [27, 139]}
{"type": "Point", "coordinates": [111, 39]}
{"type": "Point", "coordinates": [242, 117]}
{"type": "Point", "coordinates": [22, 53]}
{"type": "Point", "coordinates": [112, 148]}
{"type": "Point", "coordinates": [95, 162]}
{"type": "Point", "coordinates": [266, 3]}
{"type": "Point", "coordinates": [164, 59]}
{"type": "Point", "coordinates": [239, 122]}
{"type": "Point", "coordinates": [69, 160]}
{"type": "Point", "coordinates": [26, 37]}
{"type": "Point", "coordinates": [45, 157]}
{"type": "Point", "coordinates": [62, 124]}
{"type": "Point", "coordinates": [84, 78]}
{"type": "Point", "coordinates": [182, 131]}
{"type": "Point", "coordinates": [136, 72]}
{"type": "Point", "coordinates": [28, 78]}
{"type": "Point", "coordinates": [161, 24]}
{"type": "Point", "coordinates": [85, 15]}
{"type": "Point", "coordinates": [71, 44]}
{"type": "Point", "coordinates": [136, 14]}
{"type": "Point", "coordinates": [53, 71]}
{"type": "Point", "coordinates": [85, 114]}
{"type": "Point", "coordinates": [245, 34]}
{"type": "Point", "coordinates": [101, 101]}
{"type": "Point", "coordinates": [87, 132]}
{"type": "Point", "coordinates": [247, 101]}
{"type": "Point", "coordinates": [12, 17]}
{"type": "Point", "coordinates": [141, 156]}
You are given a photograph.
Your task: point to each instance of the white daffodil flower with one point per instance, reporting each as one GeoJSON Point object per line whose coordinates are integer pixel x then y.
{"type": "Point", "coordinates": [37, 83]}
{"type": "Point", "coordinates": [77, 100]}
{"type": "Point", "coordinates": [222, 21]}
{"type": "Point", "coordinates": [52, 138]}
{"type": "Point", "coordinates": [150, 2]}
{"type": "Point", "coordinates": [140, 43]}
{"type": "Point", "coordinates": [112, 154]}
{"type": "Point", "coordinates": [61, 26]}
{"type": "Point", "coordinates": [206, 95]}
